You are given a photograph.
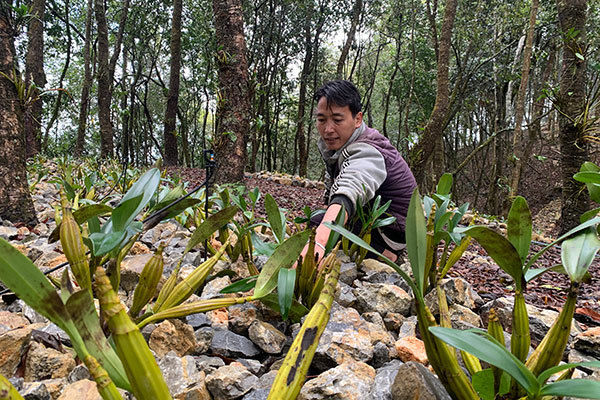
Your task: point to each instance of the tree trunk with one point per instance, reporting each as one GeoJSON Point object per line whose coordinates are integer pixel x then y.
{"type": "Point", "coordinates": [87, 83]}
{"type": "Point", "coordinates": [34, 72]}
{"type": "Point", "coordinates": [518, 147]}
{"type": "Point", "coordinates": [356, 10]}
{"type": "Point", "coordinates": [16, 204]}
{"type": "Point", "coordinates": [104, 83]}
{"type": "Point", "coordinates": [572, 102]}
{"type": "Point", "coordinates": [423, 151]}
{"type": "Point", "coordinates": [233, 108]}
{"type": "Point", "coordinates": [169, 134]}
{"type": "Point", "coordinates": [300, 137]}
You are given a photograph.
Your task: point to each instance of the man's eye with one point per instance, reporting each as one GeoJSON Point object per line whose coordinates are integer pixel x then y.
{"type": "Point", "coordinates": [338, 121]}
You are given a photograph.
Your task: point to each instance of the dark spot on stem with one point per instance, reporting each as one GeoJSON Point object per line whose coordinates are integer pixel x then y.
{"type": "Point", "coordinates": [307, 339]}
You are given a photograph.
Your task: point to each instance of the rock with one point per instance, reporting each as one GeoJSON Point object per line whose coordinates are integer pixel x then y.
{"type": "Point", "coordinates": [209, 364]}
{"type": "Point", "coordinates": [131, 268]}
{"type": "Point", "coordinates": [197, 320]}
{"type": "Point", "coordinates": [381, 355]}
{"type": "Point", "coordinates": [78, 373]}
{"type": "Point", "coordinates": [254, 366]}
{"type": "Point", "coordinates": [230, 381]}
{"type": "Point", "coordinates": [213, 288]}
{"type": "Point", "coordinates": [35, 391]}
{"type": "Point", "coordinates": [179, 372]}
{"type": "Point", "coordinates": [410, 348]}
{"type": "Point", "coordinates": [33, 316]}
{"type": "Point", "coordinates": [30, 252]}
{"type": "Point", "coordinates": [349, 381]}
{"type": "Point", "coordinates": [588, 342]}
{"type": "Point", "coordinates": [147, 331]}
{"type": "Point", "coordinates": [344, 295]}
{"type": "Point", "coordinates": [262, 387]}
{"type": "Point", "coordinates": [461, 315]}
{"type": "Point", "coordinates": [44, 363]}
{"type": "Point", "coordinates": [57, 333]}
{"type": "Point", "coordinates": [409, 327]}
{"type": "Point", "coordinates": [204, 338]}
{"type": "Point", "coordinates": [173, 335]}
{"type": "Point", "coordinates": [577, 357]}
{"type": "Point", "coordinates": [54, 386]}
{"type": "Point", "coordinates": [219, 319]}
{"type": "Point", "coordinates": [6, 232]}
{"type": "Point", "coordinates": [413, 381]}
{"type": "Point", "coordinates": [267, 337]}
{"type": "Point", "coordinates": [9, 320]}
{"type": "Point", "coordinates": [348, 272]}
{"type": "Point", "coordinates": [382, 386]}
{"type": "Point", "coordinates": [371, 265]}
{"type": "Point", "coordinates": [241, 316]}
{"type": "Point", "coordinates": [393, 321]}
{"type": "Point", "coordinates": [229, 344]}
{"type": "Point", "coordinates": [13, 344]}
{"type": "Point", "coordinates": [84, 389]}
{"type": "Point", "coordinates": [198, 391]}
{"type": "Point", "coordinates": [382, 297]}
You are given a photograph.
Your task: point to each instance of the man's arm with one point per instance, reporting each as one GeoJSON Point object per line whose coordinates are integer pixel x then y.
{"type": "Point", "coordinates": [322, 233]}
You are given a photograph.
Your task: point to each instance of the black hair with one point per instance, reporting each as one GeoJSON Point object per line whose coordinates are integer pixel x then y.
{"type": "Point", "coordinates": [341, 93]}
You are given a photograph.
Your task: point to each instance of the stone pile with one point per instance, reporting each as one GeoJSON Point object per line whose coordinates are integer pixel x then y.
{"type": "Point", "coordinates": [370, 348]}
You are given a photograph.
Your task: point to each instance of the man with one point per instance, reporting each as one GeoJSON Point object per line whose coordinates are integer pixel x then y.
{"type": "Point", "coordinates": [361, 164]}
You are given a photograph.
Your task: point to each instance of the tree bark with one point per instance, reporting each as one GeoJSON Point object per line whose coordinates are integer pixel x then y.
{"type": "Point", "coordinates": [34, 72]}
{"type": "Point", "coordinates": [169, 134]}
{"type": "Point", "coordinates": [104, 83]}
{"type": "Point", "coordinates": [356, 10]}
{"type": "Point", "coordinates": [572, 102]}
{"type": "Point", "coordinates": [423, 151]}
{"type": "Point", "coordinates": [16, 204]}
{"type": "Point", "coordinates": [300, 136]}
{"type": "Point", "coordinates": [87, 82]}
{"type": "Point", "coordinates": [233, 108]}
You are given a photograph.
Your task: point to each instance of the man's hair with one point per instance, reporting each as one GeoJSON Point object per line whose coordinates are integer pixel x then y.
{"type": "Point", "coordinates": [341, 93]}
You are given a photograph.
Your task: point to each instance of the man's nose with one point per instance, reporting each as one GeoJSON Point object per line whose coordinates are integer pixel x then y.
{"type": "Point", "coordinates": [329, 126]}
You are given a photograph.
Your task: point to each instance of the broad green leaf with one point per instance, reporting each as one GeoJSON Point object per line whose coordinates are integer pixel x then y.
{"type": "Point", "coordinates": [334, 236]}
{"type": "Point", "coordinates": [80, 306]}
{"type": "Point", "coordinates": [428, 203]}
{"type": "Point", "coordinates": [283, 257]}
{"type": "Point", "coordinates": [593, 188]}
{"type": "Point", "coordinates": [104, 243]}
{"type": "Point", "coordinates": [285, 290]}
{"type": "Point", "coordinates": [544, 376]}
{"type": "Point", "coordinates": [260, 247]}
{"type": "Point", "coordinates": [297, 311]}
{"type": "Point", "coordinates": [351, 236]}
{"type": "Point", "coordinates": [499, 248]}
{"type": "Point", "coordinates": [444, 185]}
{"type": "Point", "coordinates": [519, 227]}
{"type": "Point", "coordinates": [81, 215]}
{"type": "Point", "coordinates": [168, 198]}
{"type": "Point", "coordinates": [439, 224]}
{"type": "Point", "coordinates": [533, 273]}
{"type": "Point", "coordinates": [578, 253]}
{"type": "Point", "coordinates": [243, 285]}
{"type": "Point", "coordinates": [124, 213]}
{"type": "Point", "coordinates": [458, 216]}
{"type": "Point", "coordinates": [384, 222]}
{"type": "Point", "coordinates": [416, 240]}
{"type": "Point", "coordinates": [483, 383]}
{"type": "Point", "coordinates": [145, 186]}
{"type": "Point", "coordinates": [274, 217]}
{"type": "Point", "coordinates": [20, 275]}
{"type": "Point", "coordinates": [180, 207]}
{"type": "Point", "coordinates": [578, 388]}
{"type": "Point", "coordinates": [210, 225]}
{"type": "Point", "coordinates": [589, 214]}
{"type": "Point", "coordinates": [587, 177]}
{"type": "Point", "coordinates": [486, 348]}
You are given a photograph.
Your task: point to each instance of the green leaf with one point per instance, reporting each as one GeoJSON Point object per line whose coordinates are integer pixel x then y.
{"type": "Point", "coordinates": [283, 257]}
{"type": "Point", "coordinates": [81, 215]}
{"type": "Point", "coordinates": [243, 285]}
{"type": "Point", "coordinates": [544, 376]}
{"type": "Point", "coordinates": [578, 388]}
{"type": "Point", "coordinates": [486, 348]}
{"type": "Point", "coordinates": [297, 311]}
{"type": "Point", "coordinates": [580, 56]}
{"type": "Point", "coordinates": [334, 236]}
{"type": "Point", "coordinates": [587, 177]}
{"type": "Point", "coordinates": [578, 253]}
{"type": "Point", "coordinates": [444, 185]}
{"type": "Point", "coordinates": [274, 217]}
{"type": "Point", "coordinates": [519, 227]}
{"type": "Point", "coordinates": [533, 273]}
{"type": "Point", "coordinates": [260, 247]}
{"type": "Point", "coordinates": [124, 213]}
{"type": "Point", "coordinates": [483, 383]}
{"type": "Point", "coordinates": [170, 197]}
{"type": "Point", "coordinates": [589, 214]}
{"type": "Point", "coordinates": [285, 290]}
{"type": "Point", "coordinates": [81, 308]}
{"type": "Point", "coordinates": [351, 236]}
{"type": "Point", "coordinates": [210, 225]}
{"type": "Point", "coordinates": [103, 243]}
{"type": "Point", "coordinates": [145, 186]}
{"type": "Point", "coordinates": [416, 240]}
{"type": "Point", "coordinates": [180, 207]}
{"type": "Point", "coordinates": [592, 186]}
{"type": "Point", "coordinates": [499, 248]}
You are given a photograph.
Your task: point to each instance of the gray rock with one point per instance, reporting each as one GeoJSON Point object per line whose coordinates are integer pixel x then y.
{"type": "Point", "coordinates": [578, 357]}
{"type": "Point", "coordinates": [393, 321]}
{"type": "Point", "coordinates": [382, 297]}
{"type": "Point", "coordinates": [253, 366]}
{"type": "Point", "coordinates": [53, 329]}
{"type": "Point", "coordinates": [179, 372]}
{"type": "Point", "coordinates": [17, 383]}
{"type": "Point", "coordinates": [209, 364]}
{"type": "Point", "coordinates": [197, 320]}
{"type": "Point", "coordinates": [6, 232]}
{"type": "Point", "coordinates": [47, 363]}
{"type": "Point", "coordinates": [344, 295]}
{"type": "Point", "coordinates": [230, 381]}
{"type": "Point", "coordinates": [348, 273]}
{"type": "Point", "coordinates": [35, 391]}
{"type": "Point", "coordinates": [78, 373]}
{"type": "Point", "coordinates": [267, 337]}
{"type": "Point", "coordinates": [382, 386]}
{"type": "Point", "coordinates": [409, 327]}
{"type": "Point", "coordinates": [204, 338]}
{"type": "Point", "coordinates": [213, 288]}
{"type": "Point", "coordinates": [241, 316]}
{"type": "Point", "coordinates": [231, 344]}
{"type": "Point", "coordinates": [381, 355]}
{"type": "Point", "coordinates": [147, 331]}
{"type": "Point", "coordinates": [413, 380]}
{"type": "Point", "coordinates": [588, 342]}
{"type": "Point", "coordinates": [131, 268]}
{"type": "Point", "coordinates": [33, 316]}
{"type": "Point", "coordinates": [461, 315]}
{"type": "Point", "coordinates": [16, 306]}
{"type": "Point", "coordinates": [349, 381]}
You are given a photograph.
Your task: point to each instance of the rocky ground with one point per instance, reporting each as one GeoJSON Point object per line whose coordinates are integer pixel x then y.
{"type": "Point", "coordinates": [369, 350]}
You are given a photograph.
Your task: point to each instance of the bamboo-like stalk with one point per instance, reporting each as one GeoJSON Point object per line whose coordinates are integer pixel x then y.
{"type": "Point", "coordinates": [520, 339]}
{"type": "Point", "coordinates": [72, 244]}
{"type": "Point", "coordinates": [105, 385]}
{"type": "Point", "coordinates": [496, 331]}
{"type": "Point", "coordinates": [140, 366]}
{"type": "Point", "coordinates": [292, 373]}
{"type": "Point", "coordinates": [149, 279]}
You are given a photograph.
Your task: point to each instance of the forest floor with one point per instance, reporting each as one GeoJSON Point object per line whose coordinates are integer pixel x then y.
{"type": "Point", "coordinates": [548, 291]}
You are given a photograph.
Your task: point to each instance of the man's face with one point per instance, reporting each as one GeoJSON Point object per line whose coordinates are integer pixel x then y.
{"type": "Point", "coordinates": [336, 124]}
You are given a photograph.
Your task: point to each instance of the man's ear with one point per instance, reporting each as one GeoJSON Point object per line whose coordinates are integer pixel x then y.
{"type": "Point", "coordinates": [358, 119]}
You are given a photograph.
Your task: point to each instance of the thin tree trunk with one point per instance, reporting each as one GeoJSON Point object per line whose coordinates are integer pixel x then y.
{"type": "Point", "coordinates": [34, 72]}
{"type": "Point", "coordinates": [571, 103]}
{"type": "Point", "coordinates": [356, 10]}
{"type": "Point", "coordinates": [169, 134]}
{"type": "Point", "coordinates": [234, 103]}
{"type": "Point", "coordinates": [518, 147]}
{"type": "Point", "coordinates": [300, 137]}
{"type": "Point", "coordinates": [104, 83]}
{"type": "Point", "coordinates": [16, 204]}
{"type": "Point", "coordinates": [87, 83]}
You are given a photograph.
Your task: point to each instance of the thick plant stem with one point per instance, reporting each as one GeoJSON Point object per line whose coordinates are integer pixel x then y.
{"type": "Point", "coordinates": [104, 384]}
{"type": "Point", "coordinates": [520, 340]}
